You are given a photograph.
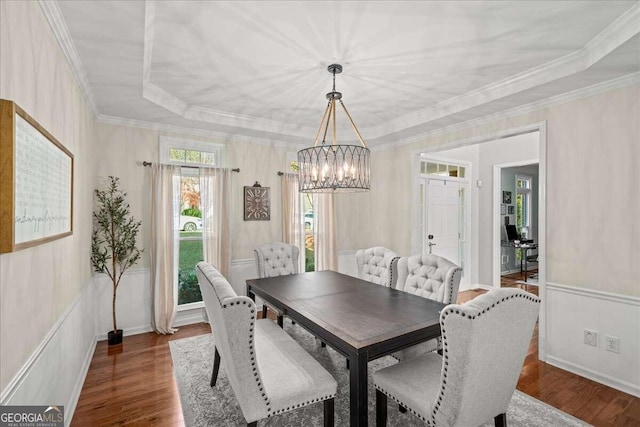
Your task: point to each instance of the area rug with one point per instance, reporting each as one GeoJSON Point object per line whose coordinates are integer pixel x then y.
{"type": "Point", "coordinates": [203, 405]}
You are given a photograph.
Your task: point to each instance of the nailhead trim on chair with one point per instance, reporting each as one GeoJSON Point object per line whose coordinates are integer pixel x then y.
{"type": "Point", "coordinates": [270, 411]}
{"type": "Point", "coordinates": [300, 405]}
{"type": "Point", "coordinates": [446, 358]}
{"type": "Point", "coordinates": [251, 353]}
{"type": "Point", "coordinates": [446, 347]}
{"type": "Point", "coordinates": [391, 278]}
{"type": "Point", "coordinates": [404, 405]}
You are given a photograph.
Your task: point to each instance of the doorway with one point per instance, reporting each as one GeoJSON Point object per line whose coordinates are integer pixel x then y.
{"type": "Point", "coordinates": [526, 144]}
{"type": "Point", "coordinates": [518, 185]}
{"type": "Point", "coordinates": [444, 198]}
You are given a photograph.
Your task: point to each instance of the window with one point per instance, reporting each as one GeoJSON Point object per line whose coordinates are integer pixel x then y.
{"type": "Point", "coordinates": [190, 240]}
{"type": "Point", "coordinates": [309, 215]}
{"type": "Point", "coordinates": [442, 169]}
{"type": "Point", "coordinates": [523, 204]}
{"type": "Point", "coordinates": [189, 154]}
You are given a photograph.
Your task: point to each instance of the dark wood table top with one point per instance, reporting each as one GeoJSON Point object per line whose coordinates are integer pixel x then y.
{"type": "Point", "coordinates": [360, 319]}
{"type": "Point", "coordinates": [358, 312]}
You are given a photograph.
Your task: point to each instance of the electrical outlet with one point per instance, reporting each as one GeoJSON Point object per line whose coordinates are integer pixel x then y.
{"type": "Point", "coordinates": [591, 337]}
{"type": "Point", "coordinates": [612, 343]}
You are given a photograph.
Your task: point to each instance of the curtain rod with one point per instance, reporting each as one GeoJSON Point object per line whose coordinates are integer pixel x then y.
{"type": "Point", "coordinates": [280, 173]}
{"type": "Point", "coordinates": [145, 163]}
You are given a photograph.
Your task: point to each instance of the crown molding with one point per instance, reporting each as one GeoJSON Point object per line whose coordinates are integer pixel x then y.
{"type": "Point", "coordinates": [58, 25]}
{"type": "Point", "coordinates": [621, 82]}
{"type": "Point", "coordinates": [618, 32]}
{"type": "Point", "coordinates": [183, 130]}
{"type": "Point", "coordinates": [609, 85]}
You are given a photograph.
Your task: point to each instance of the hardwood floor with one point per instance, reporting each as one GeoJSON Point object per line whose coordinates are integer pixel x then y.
{"type": "Point", "coordinates": [133, 384]}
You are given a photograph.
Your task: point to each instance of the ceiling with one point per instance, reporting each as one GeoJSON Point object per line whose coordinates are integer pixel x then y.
{"type": "Point", "coordinates": [257, 70]}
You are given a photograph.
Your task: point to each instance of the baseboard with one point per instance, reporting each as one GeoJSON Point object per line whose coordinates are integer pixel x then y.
{"type": "Point", "coordinates": [54, 373]}
{"type": "Point", "coordinates": [571, 310]}
{"type": "Point", "coordinates": [142, 329]}
{"type": "Point", "coordinates": [70, 408]}
{"type": "Point", "coordinates": [189, 317]}
{"type": "Point", "coordinates": [598, 377]}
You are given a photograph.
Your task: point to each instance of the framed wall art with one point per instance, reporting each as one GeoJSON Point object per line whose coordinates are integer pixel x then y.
{"type": "Point", "coordinates": [36, 182]}
{"type": "Point", "coordinates": [503, 209]}
{"type": "Point", "coordinates": [506, 197]}
{"type": "Point", "coordinates": [511, 209]}
{"type": "Point", "coordinates": [257, 203]}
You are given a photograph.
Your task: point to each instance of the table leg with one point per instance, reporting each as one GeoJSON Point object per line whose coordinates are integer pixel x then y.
{"type": "Point", "coordinates": [358, 389]}
{"type": "Point", "coordinates": [251, 295]}
{"type": "Point", "coordinates": [526, 251]}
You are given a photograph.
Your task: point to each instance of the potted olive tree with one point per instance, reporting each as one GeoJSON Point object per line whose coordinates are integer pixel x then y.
{"type": "Point", "coordinates": [113, 243]}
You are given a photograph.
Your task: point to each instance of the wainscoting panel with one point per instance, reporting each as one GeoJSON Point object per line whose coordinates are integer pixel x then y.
{"type": "Point", "coordinates": [570, 311]}
{"type": "Point", "coordinates": [133, 304]}
{"type": "Point", "coordinates": [55, 372]}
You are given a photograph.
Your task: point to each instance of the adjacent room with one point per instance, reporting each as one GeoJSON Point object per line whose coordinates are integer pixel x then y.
{"type": "Point", "coordinates": [320, 212]}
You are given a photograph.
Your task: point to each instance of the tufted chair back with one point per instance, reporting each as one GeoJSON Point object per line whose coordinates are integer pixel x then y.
{"type": "Point", "coordinates": [276, 259]}
{"type": "Point", "coordinates": [429, 276]}
{"type": "Point", "coordinates": [374, 265]}
{"type": "Point", "coordinates": [232, 320]}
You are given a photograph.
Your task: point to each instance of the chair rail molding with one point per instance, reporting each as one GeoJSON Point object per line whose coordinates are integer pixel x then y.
{"type": "Point", "coordinates": [68, 346]}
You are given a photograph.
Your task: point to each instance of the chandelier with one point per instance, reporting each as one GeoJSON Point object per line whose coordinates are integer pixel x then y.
{"type": "Point", "coordinates": [334, 167]}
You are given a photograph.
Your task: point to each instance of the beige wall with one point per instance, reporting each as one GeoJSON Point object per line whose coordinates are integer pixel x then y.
{"type": "Point", "coordinates": [38, 284]}
{"type": "Point", "coordinates": [593, 191]}
{"type": "Point", "coordinates": [122, 150]}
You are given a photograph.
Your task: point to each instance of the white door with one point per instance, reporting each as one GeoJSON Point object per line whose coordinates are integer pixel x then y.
{"type": "Point", "coordinates": [443, 225]}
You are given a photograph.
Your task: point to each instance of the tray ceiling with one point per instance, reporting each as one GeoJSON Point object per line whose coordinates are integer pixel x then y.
{"type": "Point", "coordinates": [258, 69]}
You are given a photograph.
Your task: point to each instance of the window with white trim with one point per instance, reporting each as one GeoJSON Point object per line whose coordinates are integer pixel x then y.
{"type": "Point", "coordinates": [523, 204]}
{"type": "Point", "coordinates": [189, 154]}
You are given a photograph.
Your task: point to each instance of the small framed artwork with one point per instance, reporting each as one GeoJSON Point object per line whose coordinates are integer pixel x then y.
{"type": "Point", "coordinates": [503, 209]}
{"type": "Point", "coordinates": [257, 203]}
{"type": "Point", "coordinates": [511, 209]}
{"type": "Point", "coordinates": [506, 197]}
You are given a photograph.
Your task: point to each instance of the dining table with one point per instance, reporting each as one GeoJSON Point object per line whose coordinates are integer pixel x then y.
{"type": "Point", "coordinates": [359, 319]}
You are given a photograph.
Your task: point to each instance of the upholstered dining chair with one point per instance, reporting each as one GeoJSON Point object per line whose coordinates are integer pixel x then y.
{"type": "Point", "coordinates": [268, 371]}
{"type": "Point", "coordinates": [374, 265]}
{"type": "Point", "coordinates": [485, 342]}
{"type": "Point", "coordinates": [276, 259]}
{"type": "Point", "coordinates": [429, 276]}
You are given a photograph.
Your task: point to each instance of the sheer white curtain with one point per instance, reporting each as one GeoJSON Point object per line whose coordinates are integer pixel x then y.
{"type": "Point", "coordinates": [292, 213]}
{"type": "Point", "coordinates": [165, 209]}
{"type": "Point", "coordinates": [215, 193]}
{"type": "Point", "coordinates": [325, 240]}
